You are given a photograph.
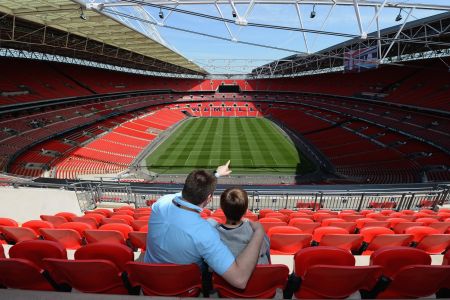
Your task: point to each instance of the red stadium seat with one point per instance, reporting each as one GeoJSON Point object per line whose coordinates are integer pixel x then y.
{"type": "Point", "coordinates": [104, 236]}
{"type": "Point", "coordinates": [435, 243]}
{"type": "Point", "coordinates": [350, 218]}
{"type": "Point", "coordinates": [350, 242]}
{"type": "Point", "coordinates": [104, 211]}
{"type": "Point", "coordinates": [392, 259]}
{"type": "Point", "coordinates": [138, 224]}
{"type": "Point", "coordinates": [426, 221]}
{"type": "Point", "coordinates": [419, 232]}
{"type": "Point", "coordinates": [320, 216]}
{"type": "Point", "coordinates": [68, 238]}
{"type": "Point", "coordinates": [18, 273]}
{"type": "Point", "coordinates": [126, 218]}
{"type": "Point", "coordinates": [263, 283]}
{"type": "Point", "coordinates": [90, 221]}
{"type": "Point", "coordinates": [17, 234]}
{"type": "Point", "coordinates": [122, 228]}
{"type": "Point", "coordinates": [35, 225]}
{"type": "Point", "coordinates": [277, 215]}
{"type": "Point", "coordinates": [137, 216]}
{"type": "Point", "coordinates": [394, 221]}
{"type": "Point", "coordinates": [55, 220]}
{"type": "Point", "coordinates": [126, 212]}
{"type": "Point", "coordinates": [67, 215]}
{"type": "Point", "coordinates": [306, 227]}
{"type": "Point", "coordinates": [138, 240]}
{"type": "Point", "coordinates": [165, 279]}
{"type": "Point", "coordinates": [326, 222]}
{"type": "Point", "coordinates": [321, 231]}
{"type": "Point", "coordinates": [329, 272]}
{"type": "Point", "coordinates": [401, 227]}
{"type": "Point", "coordinates": [78, 226]}
{"type": "Point", "coordinates": [126, 207]}
{"type": "Point", "coordinates": [349, 226]}
{"type": "Point", "coordinates": [96, 216]}
{"type": "Point", "coordinates": [441, 226]}
{"type": "Point", "coordinates": [110, 221]}
{"type": "Point", "coordinates": [286, 211]}
{"type": "Point", "coordinates": [379, 237]}
{"type": "Point", "coordinates": [416, 281]}
{"type": "Point", "coordinates": [2, 251]}
{"type": "Point", "coordinates": [114, 252]}
{"type": "Point", "coordinates": [88, 276]}
{"type": "Point", "coordinates": [36, 250]}
{"type": "Point", "coordinates": [8, 222]}
{"type": "Point", "coordinates": [295, 215]}
{"type": "Point", "coordinates": [264, 211]}
{"type": "Point", "coordinates": [268, 223]}
{"type": "Point", "coordinates": [287, 240]}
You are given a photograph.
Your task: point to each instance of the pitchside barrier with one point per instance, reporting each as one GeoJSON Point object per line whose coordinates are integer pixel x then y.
{"type": "Point", "coordinates": [395, 197]}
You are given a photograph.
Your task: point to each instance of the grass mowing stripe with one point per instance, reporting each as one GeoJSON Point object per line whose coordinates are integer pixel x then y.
{"type": "Point", "coordinates": [286, 149]}
{"type": "Point", "coordinates": [266, 159]}
{"type": "Point", "coordinates": [203, 157]}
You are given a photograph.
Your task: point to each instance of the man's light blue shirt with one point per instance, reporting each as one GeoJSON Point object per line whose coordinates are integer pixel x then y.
{"type": "Point", "coordinates": [180, 236]}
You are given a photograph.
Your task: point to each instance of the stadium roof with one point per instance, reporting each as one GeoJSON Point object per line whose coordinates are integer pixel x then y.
{"type": "Point", "coordinates": [424, 38]}
{"type": "Point", "coordinates": [35, 24]}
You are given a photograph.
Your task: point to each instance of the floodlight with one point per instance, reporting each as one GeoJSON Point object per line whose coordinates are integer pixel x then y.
{"type": "Point", "coordinates": [399, 16]}
{"type": "Point", "coordinates": [313, 12]}
{"type": "Point", "coordinates": [234, 14]}
{"type": "Point", "coordinates": [161, 13]}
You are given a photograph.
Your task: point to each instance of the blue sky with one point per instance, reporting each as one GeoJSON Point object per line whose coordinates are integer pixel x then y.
{"type": "Point", "coordinates": [232, 57]}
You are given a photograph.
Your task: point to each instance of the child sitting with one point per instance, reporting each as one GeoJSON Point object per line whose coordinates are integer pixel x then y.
{"type": "Point", "coordinates": [236, 233]}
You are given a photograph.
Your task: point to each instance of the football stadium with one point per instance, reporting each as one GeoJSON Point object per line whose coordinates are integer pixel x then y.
{"type": "Point", "coordinates": [310, 140]}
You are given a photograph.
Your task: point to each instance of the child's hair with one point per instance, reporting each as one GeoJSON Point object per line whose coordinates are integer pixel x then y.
{"type": "Point", "coordinates": [234, 203]}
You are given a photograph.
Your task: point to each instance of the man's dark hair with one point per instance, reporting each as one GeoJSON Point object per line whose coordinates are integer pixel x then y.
{"type": "Point", "coordinates": [198, 186]}
{"type": "Point", "coordinates": [234, 203]}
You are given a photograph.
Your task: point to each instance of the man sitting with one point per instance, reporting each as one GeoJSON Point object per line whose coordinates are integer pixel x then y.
{"type": "Point", "coordinates": [177, 234]}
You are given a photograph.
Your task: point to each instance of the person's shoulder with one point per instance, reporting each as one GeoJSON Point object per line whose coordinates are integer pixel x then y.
{"type": "Point", "coordinates": [166, 198]}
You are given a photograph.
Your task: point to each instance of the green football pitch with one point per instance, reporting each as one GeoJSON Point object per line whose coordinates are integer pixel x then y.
{"type": "Point", "coordinates": [254, 146]}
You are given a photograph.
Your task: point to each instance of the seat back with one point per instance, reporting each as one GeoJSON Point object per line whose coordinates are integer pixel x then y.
{"type": "Point", "coordinates": [427, 221]}
{"type": "Point", "coordinates": [263, 283]}
{"type": "Point", "coordinates": [321, 231]}
{"type": "Point", "coordinates": [90, 221]}
{"type": "Point", "coordinates": [401, 227]}
{"type": "Point", "coordinates": [304, 227]}
{"type": "Point", "coordinates": [104, 236]}
{"type": "Point", "coordinates": [116, 253]}
{"type": "Point", "coordinates": [284, 244]}
{"type": "Point", "coordinates": [416, 281]}
{"type": "Point", "coordinates": [8, 222]}
{"type": "Point", "coordinates": [284, 230]}
{"type": "Point", "coordinates": [122, 228]}
{"type": "Point", "coordinates": [392, 259]}
{"type": "Point", "coordinates": [138, 240]}
{"type": "Point", "coordinates": [18, 273]}
{"type": "Point", "coordinates": [68, 238]}
{"type": "Point", "coordinates": [369, 233]}
{"type": "Point", "coordinates": [442, 227]}
{"type": "Point", "coordinates": [35, 225]}
{"type": "Point", "coordinates": [348, 242]}
{"type": "Point", "coordinates": [55, 220]}
{"type": "Point", "coordinates": [349, 226]}
{"type": "Point", "coordinates": [36, 250]}
{"type": "Point", "coordinates": [67, 215]}
{"type": "Point", "coordinates": [308, 257]}
{"type": "Point", "coordinates": [264, 211]}
{"type": "Point", "coordinates": [88, 276]}
{"type": "Point", "coordinates": [326, 222]}
{"type": "Point", "coordinates": [419, 232]}
{"type": "Point", "coordinates": [389, 240]}
{"type": "Point", "coordinates": [80, 227]}
{"type": "Point", "coordinates": [277, 215]}
{"type": "Point", "coordinates": [17, 234]}
{"type": "Point", "coordinates": [298, 214]}
{"type": "Point", "coordinates": [126, 218]}
{"type": "Point", "coordinates": [435, 243]}
{"type": "Point", "coordinates": [165, 279]}
{"type": "Point", "coordinates": [325, 281]}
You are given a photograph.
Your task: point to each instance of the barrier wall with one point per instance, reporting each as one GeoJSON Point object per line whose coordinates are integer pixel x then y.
{"type": "Point", "coordinates": [24, 204]}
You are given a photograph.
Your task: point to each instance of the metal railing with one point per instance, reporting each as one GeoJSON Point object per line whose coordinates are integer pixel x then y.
{"type": "Point", "coordinates": [393, 197]}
